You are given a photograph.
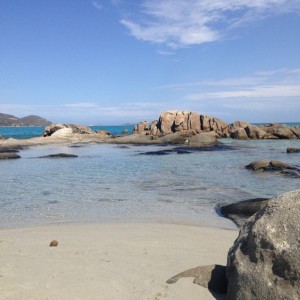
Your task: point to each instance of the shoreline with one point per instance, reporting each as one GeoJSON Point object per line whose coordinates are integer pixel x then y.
{"type": "Point", "coordinates": [108, 260]}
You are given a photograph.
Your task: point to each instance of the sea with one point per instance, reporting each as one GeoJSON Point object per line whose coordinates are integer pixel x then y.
{"type": "Point", "coordinates": [117, 183]}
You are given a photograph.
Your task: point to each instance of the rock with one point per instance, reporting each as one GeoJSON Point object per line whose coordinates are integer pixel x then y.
{"type": "Point", "coordinates": [237, 125]}
{"type": "Point", "coordinates": [296, 131]}
{"type": "Point", "coordinates": [239, 134]}
{"type": "Point", "coordinates": [219, 127]}
{"type": "Point", "coordinates": [154, 128]}
{"type": "Point", "coordinates": [138, 139]}
{"type": "Point", "coordinates": [279, 165]}
{"type": "Point", "coordinates": [280, 130]}
{"type": "Point", "coordinates": [293, 150]}
{"type": "Point", "coordinates": [104, 133]}
{"type": "Point", "coordinates": [80, 129]}
{"type": "Point", "coordinates": [205, 126]}
{"type": "Point", "coordinates": [125, 131]}
{"type": "Point", "coordinates": [9, 155]}
{"type": "Point", "coordinates": [254, 132]}
{"type": "Point", "coordinates": [258, 164]}
{"type": "Point", "coordinates": [60, 155]}
{"type": "Point", "coordinates": [264, 262]}
{"type": "Point", "coordinates": [166, 121]}
{"type": "Point", "coordinates": [181, 121]}
{"type": "Point", "coordinates": [212, 277]}
{"type": "Point", "coordinates": [49, 130]}
{"type": "Point", "coordinates": [63, 133]}
{"type": "Point", "coordinates": [202, 140]}
{"type": "Point", "coordinates": [241, 211]}
{"type": "Point", "coordinates": [53, 243]}
{"type": "Point", "coordinates": [141, 128]}
{"type": "Point", "coordinates": [9, 150]}
{"type": "Point", "coordinates": [195, 122]}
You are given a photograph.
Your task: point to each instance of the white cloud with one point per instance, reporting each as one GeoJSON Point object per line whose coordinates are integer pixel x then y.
{"type": "Point", "coordinates": [97, 5]}
{"type": "Point", "coordinates": [255, 92]}
{"type": "Point", "coordinates": [179, 23]}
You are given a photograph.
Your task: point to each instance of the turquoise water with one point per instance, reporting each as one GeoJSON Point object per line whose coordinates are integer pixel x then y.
{"type": "Point", "coordinates": [108, 183]}
{"type": "Point", "coordinates": [35, 131]}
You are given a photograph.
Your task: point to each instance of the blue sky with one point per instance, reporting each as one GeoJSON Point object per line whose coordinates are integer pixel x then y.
{"type": "Point", "coordinates": [116, 61]}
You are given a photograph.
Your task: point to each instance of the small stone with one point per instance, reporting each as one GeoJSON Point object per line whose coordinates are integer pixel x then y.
{"type": "Point", "coordinates": [53, 243]}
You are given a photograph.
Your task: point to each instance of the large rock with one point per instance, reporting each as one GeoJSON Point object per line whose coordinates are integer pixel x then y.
{"type": "Point", "coordinates": [202, 140]}
{"type": "Point", "coordinates": [166, 121]}
{"type": "Point", "coordinates": [181, 121]}
{"type": "Point", "coordinates": [195, 122]}
{"type": "Point", "coordinates": [154, 128]}
{"type": "Point", "coordinates": [280, 130]}
{"type": "Point", "coordinates": [141, 128]}
{"type": "Point", "coordinates": [242, 211]}
{"type": "Point", "coordinates": [63, 133]}
{"type": "Point", "coordinates": [254, 132]}
{"type": "Point", "coordinates": [293, 150]}
{"type": "Point", "coordinates": [239, 134]}
{"type": "Point", "coordinates": [296, 131]}
{"type": "Point", "coordinates": [264, 262]}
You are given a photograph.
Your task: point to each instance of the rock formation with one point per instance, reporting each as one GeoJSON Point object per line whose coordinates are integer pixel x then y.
{"type": "Point", "coordinates": [182, 121]}
{"type": "Point", "coordinates": [264, 262]}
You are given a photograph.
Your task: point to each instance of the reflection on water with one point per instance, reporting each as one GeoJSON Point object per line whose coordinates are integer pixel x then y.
{"type": "Point", "coordinates": [116, 184]}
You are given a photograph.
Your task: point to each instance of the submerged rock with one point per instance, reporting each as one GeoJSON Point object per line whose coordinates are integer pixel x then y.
{"type": "Point", "coordinates": [264, 262]}
{"type": "Point", "coordinates": [60, 155]}
{"type": "Point", "coordinates": [9, 155]}
{"type": "Point", "coordinates": [293, 150]}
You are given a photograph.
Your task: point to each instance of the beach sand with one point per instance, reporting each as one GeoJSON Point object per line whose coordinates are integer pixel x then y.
{"type": "Point", "coordinates": [108, 261]}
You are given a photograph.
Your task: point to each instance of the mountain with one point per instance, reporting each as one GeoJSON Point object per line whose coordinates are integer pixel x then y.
{"type": "Point", "coordinates": [10, 120]}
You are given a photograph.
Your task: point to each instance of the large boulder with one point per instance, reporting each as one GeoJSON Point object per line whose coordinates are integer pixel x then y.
{"type": "Point", "coordinates": [166, 121]}
{"type": "Point", "coordinates": [254, 132]}
{"type": "Point", "coordinates": [154, 128]}
{"type": "Point", "coordinates": [69, 129]}
{"type": "Point", "coordinates": [202, 140]}
{"type": "Point", "coordinates": [181, 121]}
{"type": "Point", "coordinates": [239, 134]}
{"type": "Point", "coordinates": [195, 122]}
{"type": "Point", "coordinates": [9, 155]}
{"type": "Point", "coordinates": [280, 130]}
{"type": "Point", "coordinates": [264, 262]}
{"type": "Point", "coordinates": [141, 128]}
{"type": "Point", "coordinates": [296, 131]}
{"type": "Point", "coordinates": [63, 133]}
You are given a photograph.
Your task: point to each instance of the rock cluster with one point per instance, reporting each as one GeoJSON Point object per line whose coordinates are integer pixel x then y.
{"type": "Point", "coordinates": [264, 262]}
{"type": "Point", "coordinates": [68, 130]}
{"type": "Point", "coordinates": [184, 121]}
{"type": "Point", "coordinates": [274, 165]}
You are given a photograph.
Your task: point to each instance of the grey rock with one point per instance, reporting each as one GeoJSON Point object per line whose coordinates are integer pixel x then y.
{"type": "Point", "coordinates": [258, 164]}
{"type": "Point", "coordinates": [242, 211]}
{"type": "Point", "coordinates": [264, 262]}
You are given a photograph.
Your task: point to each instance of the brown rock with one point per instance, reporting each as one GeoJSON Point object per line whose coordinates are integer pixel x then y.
{"type": "Point", "coordinates": [258, 164]}
{"type": "Point", "coordinates": [154, 128]}
{"type": "Point", "coordinates": [238, 124]}
{"type": "Point", "coordinates": [142, 127]}
{"type": "Point", "coordinates": [239, 134]}
{"type": "Point", "coordinates": [195, 122]}
{"type": "Point", "coordinates": [53, 243]}
{"type": "Point", "coordinates": [205, 122]}
{"type": "Point", "coordinates": [181, 121]}
{"type": "Point", "coordinates": [166, 121]}
{"type": "Point", "coordinates": [280, 130]}
{"type": "Point", "coordinates": [254, 132]}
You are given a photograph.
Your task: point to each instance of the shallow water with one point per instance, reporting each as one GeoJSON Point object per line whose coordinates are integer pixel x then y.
{"type": "Point", "coordinates": [108, 183]}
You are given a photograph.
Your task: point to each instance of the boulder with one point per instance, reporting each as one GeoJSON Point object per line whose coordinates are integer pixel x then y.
{"type": "Point", "coordinates": [241, 211]}
{"type": "Point", "coordinates": [9, 155]}
{"type": "Point", "coordinates": [49, 130]}
{"type": "Point", "coordinates": [63, 133]}
{"type": "Point", "coordinates": [264, 262]}
{"type": "Point", "coordinates": [80, 129]}
{"type": "Point", "coordinates": [296, 131]}
{"type": "Point", "coordinates": [239, 134]}
{"type": "Point", "coordinates": [202, 140]}
{"type": "Point", "coordinates": [258, 164]}
{"type": "Point", "coordinates": [205, 122]}
{"type": "Point", "coordinates": [194, 122]}
{"type": "Point", "coordinates": [280, 130]}
{"type": "Point", "coordinates": [181, 121]}
{"type": "Point", "coordinates": [238, 124]}
{"type": "Point", "coordinates": [293, 150]}
{"type": "Point", "coordinates": [254, 132]}
{"type": "Point", "coordinates": [166, 121]}
{"type": "Point", "coordinates": [142, 127]}
{"type": "Point", "coordinates": [154, 128]}
{"type": "Point", "coordinates": [279, 165]}
{"type": "Point", "coordinates": [68, 130]}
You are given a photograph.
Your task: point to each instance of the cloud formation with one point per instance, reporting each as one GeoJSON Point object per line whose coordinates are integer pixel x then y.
{"type": "Point", "coordinates": [180, 23]}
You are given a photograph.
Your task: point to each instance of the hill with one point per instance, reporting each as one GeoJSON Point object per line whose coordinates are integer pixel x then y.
{"type": "Point", "coordinates": [32, 120]}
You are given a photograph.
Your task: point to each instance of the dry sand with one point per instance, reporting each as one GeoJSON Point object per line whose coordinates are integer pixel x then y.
{"type": "Point", "coordinates": [108, 261]}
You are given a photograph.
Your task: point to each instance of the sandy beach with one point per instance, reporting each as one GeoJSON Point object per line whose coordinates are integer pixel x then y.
{"type": "Point", "coordinates": [108, 261]}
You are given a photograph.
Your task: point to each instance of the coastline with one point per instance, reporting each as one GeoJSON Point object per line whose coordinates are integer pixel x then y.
{"type": "Point", "coordinates": [108, 261]}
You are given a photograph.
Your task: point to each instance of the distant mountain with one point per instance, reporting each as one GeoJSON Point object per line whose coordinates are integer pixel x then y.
{"type": "Point", "coordinates": [10, 120]}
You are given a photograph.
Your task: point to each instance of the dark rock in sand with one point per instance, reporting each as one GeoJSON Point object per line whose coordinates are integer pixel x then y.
{"type": "Point", "coordinates": [9, 155]}
{"type": "Point", "coordinates": [264, 262]}
{"type": "Point", "coordinates": [212, 277]}
{"type": "Point", "coordinates": [53, 243]}
{"type": "Point", "coordinates": [60, 155]}
{"type": "Point", "coordinates": [241, 211]}
{"type": "Point", "coordinates": [293, 150]}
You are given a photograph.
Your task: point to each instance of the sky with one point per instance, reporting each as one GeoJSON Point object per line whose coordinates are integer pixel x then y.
{"type": "Point", "coordinates": [110, 62]}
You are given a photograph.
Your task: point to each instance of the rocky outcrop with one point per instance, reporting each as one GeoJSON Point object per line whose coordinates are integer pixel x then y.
{"type": "Point", "coordinates": [274, 165]}
{"type": "Point", "coordinates": [242, 211]}
{"type": "Point", "coordinates": [264, 262]}
{"type": "Point", "coordinates": [182, 121]}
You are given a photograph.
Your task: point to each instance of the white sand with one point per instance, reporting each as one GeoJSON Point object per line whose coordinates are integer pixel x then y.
{"type": "Point", "coordinates": [108, 261]}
